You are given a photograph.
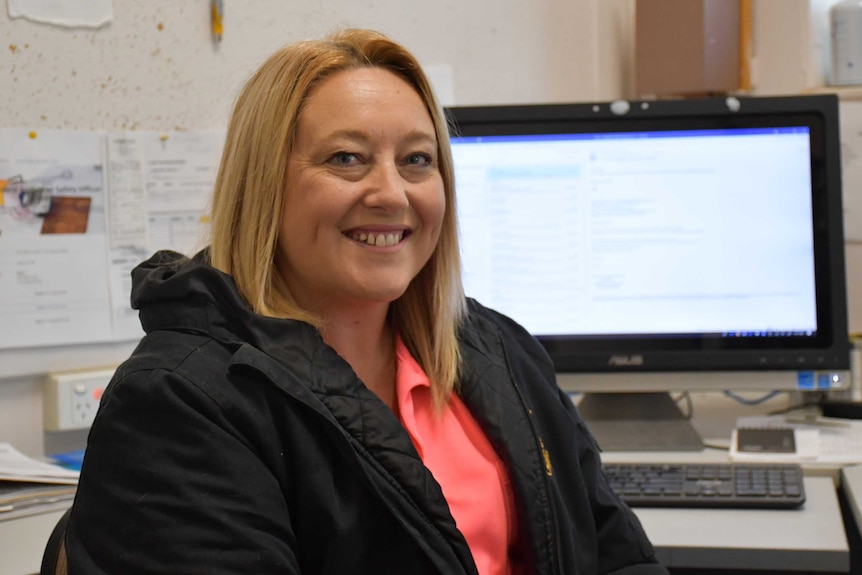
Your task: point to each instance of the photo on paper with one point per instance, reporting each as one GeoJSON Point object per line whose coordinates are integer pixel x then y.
{"type": "Point", "coordinates": [56, 200]}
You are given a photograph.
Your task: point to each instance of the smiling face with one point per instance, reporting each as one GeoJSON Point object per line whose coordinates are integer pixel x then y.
{"type": "Point", "coordinates": [364, 198]}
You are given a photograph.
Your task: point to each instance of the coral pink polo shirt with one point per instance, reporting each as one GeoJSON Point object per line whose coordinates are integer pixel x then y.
{"type": "Point", "coordinates": [474, 480]}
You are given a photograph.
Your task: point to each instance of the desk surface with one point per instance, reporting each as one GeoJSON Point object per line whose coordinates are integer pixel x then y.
{"type": "Point", "coordinates": [811, 538]}
{"type": "Point", "coordinates": [851, 485]}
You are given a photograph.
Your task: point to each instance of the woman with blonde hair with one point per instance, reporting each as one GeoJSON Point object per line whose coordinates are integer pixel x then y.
{"type": "Point", "coordinates": [314, 393]}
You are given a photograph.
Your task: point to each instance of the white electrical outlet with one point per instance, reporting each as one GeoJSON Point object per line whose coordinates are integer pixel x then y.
{"type": "Point", "coordinates": [72, 398]}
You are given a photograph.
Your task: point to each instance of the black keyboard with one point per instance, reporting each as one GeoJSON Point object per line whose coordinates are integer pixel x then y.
{"type": "Point", "coordinates": [741, 485]}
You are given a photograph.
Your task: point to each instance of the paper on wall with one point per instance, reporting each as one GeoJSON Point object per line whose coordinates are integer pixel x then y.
{"type": "Point", "coordinates": [442, 78]}
{"type": "Point", "coordinates": [53, 256]}
{"type": "Point", "coordinates": [160, 185]}
{"type": "Point", "coordinates": [851, 166]}
{"type": "Point", "coordinates": [179, 172]}
{"type": "Point", "coordinates": [82, 13]}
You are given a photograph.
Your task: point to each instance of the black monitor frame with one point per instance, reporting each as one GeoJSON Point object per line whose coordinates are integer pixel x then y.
{"type": "Point", "coordinates": [829, 349]}
{"type": "Point", "coordinates": [604, 366]}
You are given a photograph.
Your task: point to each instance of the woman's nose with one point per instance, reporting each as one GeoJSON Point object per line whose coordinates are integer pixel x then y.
{"type": "Point", "coordinates": [386, 188]}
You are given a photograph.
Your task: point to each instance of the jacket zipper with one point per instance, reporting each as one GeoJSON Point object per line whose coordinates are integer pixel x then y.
{"type": "Point", "coordinates": [547, 473]}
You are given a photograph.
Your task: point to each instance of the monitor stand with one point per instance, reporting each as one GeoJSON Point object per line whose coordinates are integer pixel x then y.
{"type": "Point", "coordinates": [638, 422]}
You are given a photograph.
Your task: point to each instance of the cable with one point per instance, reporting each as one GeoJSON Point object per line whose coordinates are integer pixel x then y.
{"type": "Point", "coordinates": [758, 401]}
{"type": "Point", "coordinates": [715, 446]}
{"type": "Point", "coordinates": [688, 413]}
{"type": "Point", "coordinates": [816, 398]}
{"type": "Point", "coordinates": [689, 405]}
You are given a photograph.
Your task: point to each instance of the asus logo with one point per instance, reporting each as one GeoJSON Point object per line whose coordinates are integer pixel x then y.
{"type": "Point", "coordinates": [625, 360]}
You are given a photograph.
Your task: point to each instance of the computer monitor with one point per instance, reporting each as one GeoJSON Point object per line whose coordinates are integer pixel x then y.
{"type": "Point", "coordinates": [660, 246]}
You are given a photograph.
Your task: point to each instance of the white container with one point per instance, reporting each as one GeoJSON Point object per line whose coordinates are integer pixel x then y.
{"type": "Point", "coordinates": [845, 28]}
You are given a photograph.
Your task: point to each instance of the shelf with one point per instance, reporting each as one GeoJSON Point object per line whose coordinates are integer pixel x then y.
{"type": "Point", "coordinates": [843, 92]}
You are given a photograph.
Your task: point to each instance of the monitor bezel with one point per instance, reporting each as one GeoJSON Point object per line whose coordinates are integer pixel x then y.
{"type": "Point", "coordinates": [829, 349]}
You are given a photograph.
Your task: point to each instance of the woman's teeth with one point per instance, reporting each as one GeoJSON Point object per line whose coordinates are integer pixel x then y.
{"type": "Point", "coordinates": [381, 239]}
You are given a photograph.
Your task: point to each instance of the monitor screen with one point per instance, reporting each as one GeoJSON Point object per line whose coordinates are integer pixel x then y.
{"type": "Point", "coordinates": [662, 245]}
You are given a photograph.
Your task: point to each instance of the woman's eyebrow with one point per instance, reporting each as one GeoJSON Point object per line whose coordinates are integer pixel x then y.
{"type": "Point", "coordinates": [346, 134]}
{"type": "Point", "coordinates": [414, 136]}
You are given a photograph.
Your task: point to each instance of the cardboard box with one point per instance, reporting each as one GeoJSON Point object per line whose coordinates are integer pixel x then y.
{"type": "Point", "coordinates": [687, 47]}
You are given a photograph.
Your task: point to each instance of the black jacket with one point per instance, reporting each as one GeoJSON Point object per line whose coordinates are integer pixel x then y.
{"type": "Point", "coordinates": [234, 443]}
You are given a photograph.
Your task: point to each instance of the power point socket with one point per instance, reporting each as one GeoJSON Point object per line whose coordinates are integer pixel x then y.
{"type": "Point", "coordinates": [71, 399]}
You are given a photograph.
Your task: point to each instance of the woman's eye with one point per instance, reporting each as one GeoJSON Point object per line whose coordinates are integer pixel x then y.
{"type": "Point", "coordinates": [419, 160]}
{"type": "Point", "coordinates": [344, 158]}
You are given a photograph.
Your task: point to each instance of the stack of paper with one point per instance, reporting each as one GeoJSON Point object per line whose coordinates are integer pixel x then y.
{"type": "Point", "coordinates": [29, 486]}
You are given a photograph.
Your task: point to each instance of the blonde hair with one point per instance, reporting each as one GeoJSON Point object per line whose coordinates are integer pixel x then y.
{"type": "Point", "coordinates": [249, 196]}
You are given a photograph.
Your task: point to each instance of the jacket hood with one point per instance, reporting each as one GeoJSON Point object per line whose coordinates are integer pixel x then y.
{"type": "Point", "coordinates": [172, 291]}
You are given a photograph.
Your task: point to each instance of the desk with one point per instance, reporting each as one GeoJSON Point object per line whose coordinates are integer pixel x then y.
{"type": "Point", "coordinates": [22, 542]}
{"type": "Point", "coordinates": [851, 487]}
{"type": "Point", "coordinates": [851, 484]}
{"type": "Point", "coordinates": [808, 539]}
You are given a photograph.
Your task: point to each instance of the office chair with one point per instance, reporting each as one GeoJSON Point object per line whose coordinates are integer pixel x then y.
{"type": "Point", "coordinates": [54, 558]}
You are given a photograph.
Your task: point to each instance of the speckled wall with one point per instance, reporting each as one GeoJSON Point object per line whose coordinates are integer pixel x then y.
{"type": "Point", "coordinates": [156, 67]}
